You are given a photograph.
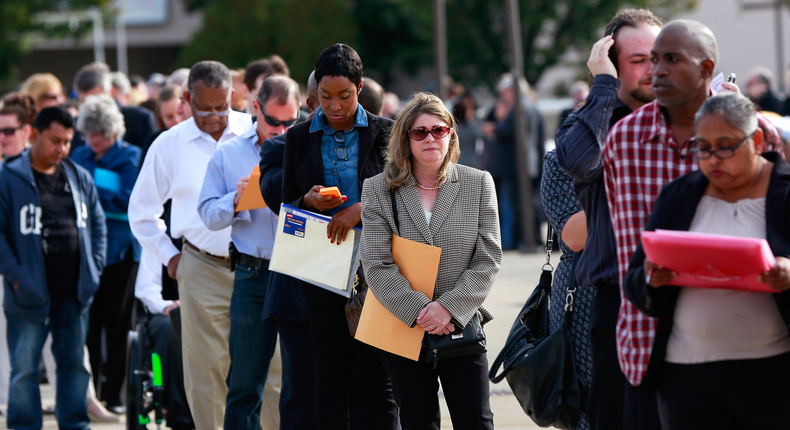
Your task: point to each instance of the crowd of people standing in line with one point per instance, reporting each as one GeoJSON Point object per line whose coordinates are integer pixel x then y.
{"type": "Point", "coordinates": [104, 202]}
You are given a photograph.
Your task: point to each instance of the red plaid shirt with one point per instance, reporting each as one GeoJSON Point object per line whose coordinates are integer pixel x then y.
{"type": "Point", "coordinates": [641, 156]}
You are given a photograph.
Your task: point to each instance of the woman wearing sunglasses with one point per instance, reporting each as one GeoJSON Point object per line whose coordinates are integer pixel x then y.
{"type": "Point", "coordinates": [340, 147]}
{"type": "Point", "coordinates": [452, 207]}
{"type": "Point", "coordinates": [720, 356]}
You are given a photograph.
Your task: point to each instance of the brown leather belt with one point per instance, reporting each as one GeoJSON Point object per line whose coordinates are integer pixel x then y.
{"type": "Point", "coordinates": [216, 257]}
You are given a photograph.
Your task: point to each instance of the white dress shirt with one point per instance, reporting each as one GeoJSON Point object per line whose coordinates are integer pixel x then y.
{"type": "Point", "coordinates": [148, 285]}
{"type": "Point", "coordinates": [174, 169]}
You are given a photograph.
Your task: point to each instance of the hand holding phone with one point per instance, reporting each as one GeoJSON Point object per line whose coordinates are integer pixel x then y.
{"type": "Point", "coordinates": [330, 192]}
{"type": "Point", "coordinates": [600, 62]}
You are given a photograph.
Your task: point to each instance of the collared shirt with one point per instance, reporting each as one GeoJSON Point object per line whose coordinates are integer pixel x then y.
{"type": "Point", "coordinates": [340, 154]}
{"type": "Point", "coordinates": [148, 284]}
{"type": "Point", "coordinates": [173, 169]}
{"type": "Point", "coordinates": [253, 230]}
{"type": "Point", "coordinates": [580, 146]}
{"type": "Point", "coordinates": [641, 156]}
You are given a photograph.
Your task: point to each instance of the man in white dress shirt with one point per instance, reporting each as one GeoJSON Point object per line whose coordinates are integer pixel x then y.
{"type": "Point", "coordinates": [174, 169]}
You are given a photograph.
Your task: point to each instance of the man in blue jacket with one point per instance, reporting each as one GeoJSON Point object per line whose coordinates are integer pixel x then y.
{"type": "Point", "coordinates": [53, 243]}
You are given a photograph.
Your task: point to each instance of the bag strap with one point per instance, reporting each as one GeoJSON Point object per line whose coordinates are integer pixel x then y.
{"type": "Point", "coordinates": [395, 212]}
{"type": "Point", "coordinates": [549, 246]}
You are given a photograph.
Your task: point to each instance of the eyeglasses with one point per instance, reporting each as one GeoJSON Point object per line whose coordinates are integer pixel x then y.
{"type": "Point", "coordinates": [273, 122]}
{"type": "Point", "coordinates": [207, 113]}
{"type": "Point", "coordinates": [9, 131]}
{"type": "Point", "coordinates": [721, 153]}
{"type": "Point", "coordinates": [437, 131]}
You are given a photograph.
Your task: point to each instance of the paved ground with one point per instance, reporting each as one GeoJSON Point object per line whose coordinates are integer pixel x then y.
{"type": "Point", "coordinates": [516, 280]}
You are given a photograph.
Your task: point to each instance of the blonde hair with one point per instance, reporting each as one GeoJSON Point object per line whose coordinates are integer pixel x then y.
{"type": "Point", "coordinates": [398, 168]}
{"type": "Point", "coordinates": [38, 84]}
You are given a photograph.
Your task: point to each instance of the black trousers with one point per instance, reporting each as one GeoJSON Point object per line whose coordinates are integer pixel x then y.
{"type": "Point", "coordinates": [298, 391]}
{"type": "Point", "coordinates": [162, 340]}
{"type": "Point", "coordinates": [111, 322]}
{"type": "Point", "coordinates": [725, 395]}
{"type": "Point", "coordinates": [334, 351]}
{"type": "Point", "coordinates": [613, 403]}
{"type": "Point", "coordinates": [466, 390]}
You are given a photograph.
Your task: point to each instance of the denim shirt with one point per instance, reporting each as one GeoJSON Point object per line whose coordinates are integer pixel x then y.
{"type": "Point", "coordinates": [340, 154]}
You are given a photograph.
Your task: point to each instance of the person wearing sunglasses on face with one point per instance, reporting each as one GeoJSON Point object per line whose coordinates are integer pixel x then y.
{"type": "Point", "coordinates": [453, 207]}
{"type": "Point", "coordinates": [341, 146]}
{"type": "Point", "coordinates": [707, 339]}
{"type": "Point", "coordinates": [16, 116]}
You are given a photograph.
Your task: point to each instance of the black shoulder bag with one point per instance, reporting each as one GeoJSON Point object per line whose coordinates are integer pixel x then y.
{"type": "Point", "coordinates": [539, 366]}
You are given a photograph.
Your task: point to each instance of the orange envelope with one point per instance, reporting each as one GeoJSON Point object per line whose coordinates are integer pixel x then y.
{"type": "Point", "coordinates": [419, 264]}
{"type": "Point", "coordinates": [252, 197]}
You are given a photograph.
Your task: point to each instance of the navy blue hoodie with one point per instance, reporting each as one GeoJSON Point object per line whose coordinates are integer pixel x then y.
{"type": "Point", "coordinates": [21, 252]}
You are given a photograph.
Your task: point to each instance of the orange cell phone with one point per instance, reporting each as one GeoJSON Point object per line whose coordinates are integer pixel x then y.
{"type": "Point", "coordinates": [330, 191]}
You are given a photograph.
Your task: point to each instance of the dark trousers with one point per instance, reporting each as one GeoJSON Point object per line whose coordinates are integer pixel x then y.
{"type": "Point", "coordinates": [163, 342]}
{"type": "Point", "coordinates": [334, 350]}
{"type": "Point", "coordinates": [613, 403]}
{"type": "Point", "coordinates": [465, 385]}
{"type": "Point", "coordinates": [298, 390]}
{"type": "Point", "coordinates": [725, 395]}
{"type": "Point", "coordinates": [108, 321]}
{"type": "Point", "coordinates": [252, 341]}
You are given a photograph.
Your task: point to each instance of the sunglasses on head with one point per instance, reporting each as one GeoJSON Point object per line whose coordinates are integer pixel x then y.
{"type": "Point", "coordinates": [437, 131]}
{"type": "Point", "coordinates": [9, 131]}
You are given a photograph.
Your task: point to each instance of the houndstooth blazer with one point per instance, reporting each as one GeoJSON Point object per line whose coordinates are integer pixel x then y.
{"type": "Point", "coordinates": [464, 224]}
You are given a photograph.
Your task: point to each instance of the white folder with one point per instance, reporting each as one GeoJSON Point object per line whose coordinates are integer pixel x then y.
{"type": "Point", "coordinates": [308, 255]}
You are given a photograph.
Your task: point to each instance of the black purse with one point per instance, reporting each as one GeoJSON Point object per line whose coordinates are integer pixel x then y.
{"type": "Point", "coordinates": [470, 340]}
{"type": "Point", "coordinates": [539, 366]}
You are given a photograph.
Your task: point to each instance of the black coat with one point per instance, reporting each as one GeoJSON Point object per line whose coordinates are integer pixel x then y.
{"type": "Point", "coordinates": [303, 166]}
{"type": "Point", "coordinates": [674, 210]}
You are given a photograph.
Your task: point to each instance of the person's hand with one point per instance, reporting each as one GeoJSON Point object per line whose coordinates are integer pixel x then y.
{"type": "Point", "coordinates": [172, 265]}
{"type": "Point", "coordinates": [778, 277]}
{"type": "Point", "coordinates": [658, 276]}
{"type": "Point", "coordinates": [240, 187]}
{"type": "Point", "coordinates": [435, 319]}
{"type": "Point", "coordinates": [342, 222]}
{"type": "Point", "coordinates": [502, 110]}
{"type": "Point", "coordinates": [166, 311]}
{"type": "Point", "coordinates": [729, 86]}
{"type": "Point", "coordinates": [489, 129]}
{"type": "Point", "coordinates": [599, 62]}
{"type": "Point", "coordinates": [314, 200]}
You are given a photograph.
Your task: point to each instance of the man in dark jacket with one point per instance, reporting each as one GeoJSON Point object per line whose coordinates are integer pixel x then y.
{"type": "Point", "coordinates": [53, 243]}
{"type": "Point", "coordinates": [620, 63]}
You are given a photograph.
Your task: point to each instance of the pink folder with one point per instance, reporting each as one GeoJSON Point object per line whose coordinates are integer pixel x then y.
{"type": "Point", "coordinates": [710, 260]}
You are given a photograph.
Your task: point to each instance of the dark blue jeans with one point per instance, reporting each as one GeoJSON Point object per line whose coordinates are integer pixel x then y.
{"type": "Point", "coordinates": [252, 343]}
{"type": "Point", "coordinates": [68, 322]}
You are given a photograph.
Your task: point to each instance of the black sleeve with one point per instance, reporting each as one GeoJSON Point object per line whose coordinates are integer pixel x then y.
{"type": "Point", "coordinates": [291, 193]}
{"type": "Point", "coordinates": [271, 167]}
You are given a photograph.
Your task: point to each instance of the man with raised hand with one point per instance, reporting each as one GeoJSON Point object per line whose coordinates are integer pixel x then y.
{"type": "Point", "coordinates": [174, 169]}
{"type": "Point", "coordinates": [645, 151]}
{"type": "Point", "coordinates": [620, 63]}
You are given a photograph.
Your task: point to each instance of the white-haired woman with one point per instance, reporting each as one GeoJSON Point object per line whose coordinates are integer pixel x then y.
{"type": "Point", "coordinates": [114, 166]}
{"type": "Point", "coordinates": [452, 207]}
{"type": "Point", "coordinates": [721, 357]}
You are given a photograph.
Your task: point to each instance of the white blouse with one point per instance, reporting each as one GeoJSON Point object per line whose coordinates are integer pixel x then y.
{"type": "Point", "coordinates": [719, 324]}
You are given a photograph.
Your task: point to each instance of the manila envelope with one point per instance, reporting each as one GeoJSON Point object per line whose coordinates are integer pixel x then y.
{"type": "Point", "coordinates": [419, 264]}
{"type": "Point", "coordinates": [252, 197]}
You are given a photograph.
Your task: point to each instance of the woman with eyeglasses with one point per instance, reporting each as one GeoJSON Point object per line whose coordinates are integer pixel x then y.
{"type": "Point", "coordinates": [453, 207]}
{"type": "Point", "coordinates": [721, 357]}
{"type": "Point", "coordinates": [340, 147]}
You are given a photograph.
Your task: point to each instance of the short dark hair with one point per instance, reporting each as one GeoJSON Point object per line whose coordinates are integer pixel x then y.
{"type": "Point", "coordinates": [136, 80]}
{"type": "Point", "coordinates": [213, 74]}
{"type": "Point", "coordinates": [255, 69]}
{"type": "Point", "coordinates": [91, 76]}
{"type": "Point", "coordinates": [279, 88]}
{"type": "Point", "coordinates": [339, 60]}
{"type": "Point", "coordinates": [372, 96]}
{"type": "Point", "coordinates": [628, 18]}
{"type": "Point", "coordinates": [21, 105]}
{"type": "Point", "coordinates": [279, 65]}
{"type": "Point", "coordinates": [57, 114]}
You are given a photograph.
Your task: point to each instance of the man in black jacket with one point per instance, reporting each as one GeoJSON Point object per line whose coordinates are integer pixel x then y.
{"type": "Point", "coordinates": [620, 63]}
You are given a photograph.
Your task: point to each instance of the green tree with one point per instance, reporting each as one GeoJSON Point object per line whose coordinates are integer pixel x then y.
{"type": "Point", "coordinates": [236, 32]}
{"type": "Point", "coordinates": [393, 35]}
{"type": "Point", "coordinates": [18, 25]}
